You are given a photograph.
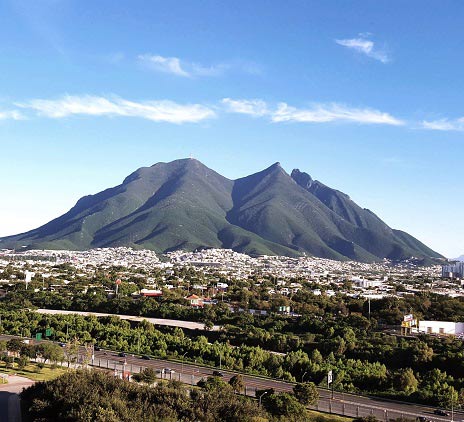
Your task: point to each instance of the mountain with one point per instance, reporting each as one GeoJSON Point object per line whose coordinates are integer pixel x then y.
{"type": "Point", "coordinates": [185, 205]}
{"type": "Point", "coordinates": [461, 258]}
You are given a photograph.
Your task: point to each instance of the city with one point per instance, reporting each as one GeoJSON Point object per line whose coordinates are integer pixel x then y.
{"type": "Point", "coordinates": [231, 211]}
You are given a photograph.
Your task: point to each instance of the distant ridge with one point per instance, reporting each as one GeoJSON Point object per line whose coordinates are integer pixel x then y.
{"type": "Point", "coordinates": [185, 205]}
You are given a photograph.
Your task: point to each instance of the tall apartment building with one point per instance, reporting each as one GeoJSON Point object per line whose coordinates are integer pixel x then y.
{"type": "Point", "coordinates": [455, 270]}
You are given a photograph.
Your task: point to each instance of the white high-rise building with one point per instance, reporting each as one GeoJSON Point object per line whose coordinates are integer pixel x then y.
{"type": "Point", "coordinates": [455, 270]}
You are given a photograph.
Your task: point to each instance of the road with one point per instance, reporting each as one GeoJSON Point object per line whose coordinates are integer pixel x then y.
{"type": "Point", "coordinates": [10, 410]}
{"type": "Point", "coordinates": [157, 321]}
{"type": "Point", "coordinates": [341, 403]}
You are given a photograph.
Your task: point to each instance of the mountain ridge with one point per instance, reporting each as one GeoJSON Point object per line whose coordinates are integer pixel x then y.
{"type": "Point", "coordinates": [185, 205]}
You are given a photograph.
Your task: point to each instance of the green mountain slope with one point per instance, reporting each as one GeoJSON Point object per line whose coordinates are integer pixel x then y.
{"type": "Point", "coordinates": [185, 205]}
{"type": "Point", "coordinates": [368, 231]}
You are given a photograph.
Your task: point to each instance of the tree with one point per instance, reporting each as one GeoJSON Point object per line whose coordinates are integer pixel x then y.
{"type": "Point", "coordinates": [51, 351]}
{"type": "Point", "coordinates": [71, 351]}
{"type": "Point", "coordinates": [148, 376]}
{"type": "Point", "coordinates": [208, 325]}
{"type": "Point", "coordinates": [406, 381]}
{"type": "Point", "coordinates": [421, 353]}
{"type": "Point", "coordinates": [316, 356]}
{"type": "Point", "coordinates": [23, 361]}
{"type": "Point", "coordinates": [14, 346]}
{"type": "Point", "coordinates": [306, 393]}
{"type": "Point", "coordinates": [236, 382]}
{"type": "Point", "coordinates": [285, 405]}
{"type": "Point", "coordinates": [447, 396]}
{"type": "Point", "coordinates": [87, 355]}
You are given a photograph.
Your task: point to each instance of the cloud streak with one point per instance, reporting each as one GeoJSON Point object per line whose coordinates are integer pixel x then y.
{"type": "Point", "coordinates": [323, 113]}
{"type": "Point", "coordinates": [256, 108]}
{"type": "Point", "coordinates": [456, 125]}
{"type": "Point", "coordinates": [364, 46]}
{"type": "Point", "coordinates": [164, 64]}
{"type": "Point", "coordinates": [11, 115]}
{"type": "Point", "coordinates": [176, 66]}
{"type": "Point", "coordinates": [319, 113]}
{"type": "Point", "coordinates": [157, 111]}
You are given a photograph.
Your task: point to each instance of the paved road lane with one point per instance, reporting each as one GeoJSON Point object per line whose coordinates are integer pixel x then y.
{"type": "Point", "coordinates": [341, 403]}
{"type": "Point", "coordinates": [10, 410]}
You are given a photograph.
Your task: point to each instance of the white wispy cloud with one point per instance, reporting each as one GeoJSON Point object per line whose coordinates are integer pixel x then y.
{"type": "Point", "coordinates": [175, 66]}
{"type": "Point", "coordinates": [158, 111]}
{"type": "Point", "coordinates": [323, 113]}
{"type": "Point", "coordinates": [255, 108]}
{"type": "Point", "coordinates": [164, 64]}
{"type": "Point", "coordinates": [364, 46]}
{"type": "Point", "coordinates": [11, 115]}
{"type": "Point", "coordinates": [319, 113]}
{"type": "Point", "coordinates": [444, 124]}
{"type": "Point", "coordinates": [186, 69]}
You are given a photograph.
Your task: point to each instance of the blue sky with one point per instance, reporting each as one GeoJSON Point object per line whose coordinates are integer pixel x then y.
{"type": "Point", "coordinates": [364, 96]}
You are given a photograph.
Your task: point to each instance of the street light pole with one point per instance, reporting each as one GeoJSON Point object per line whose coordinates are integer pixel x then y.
{"type": "Point", "coordinates": [302, 378]}
{"type": "Point", "coordinates": [261, 396]}
{"type": "Point", "coordinates": [182, 365]}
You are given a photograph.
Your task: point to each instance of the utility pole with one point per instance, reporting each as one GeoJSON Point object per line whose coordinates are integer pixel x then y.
{"type": "Point", "coordinates": [261, 396]}
{"type": "Point", "coordinates": [302, 378]}
{"type": "Point", "coordinates": [182, 365]}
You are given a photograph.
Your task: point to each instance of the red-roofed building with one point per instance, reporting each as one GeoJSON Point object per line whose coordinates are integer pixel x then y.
{"type": "Point", "coordinates": [195, 301]}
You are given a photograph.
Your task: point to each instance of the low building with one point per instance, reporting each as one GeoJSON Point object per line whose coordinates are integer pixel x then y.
{"type": "Point", "coordinates": [151, 293]}
{"type": "Point", "coordinates": [195, 301]}
{"type": "Point", "coordinates": [441, 327]}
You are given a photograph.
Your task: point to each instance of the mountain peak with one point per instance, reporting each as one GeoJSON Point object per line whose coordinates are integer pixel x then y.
{"type": "Point", "coordinates": [183, 204]}
{"type": "Point", "coordinates": [276, 167]}
{"type": "Point", "coordinates": [302, 179]}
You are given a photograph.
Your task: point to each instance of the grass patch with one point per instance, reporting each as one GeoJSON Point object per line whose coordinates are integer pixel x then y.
{"type": "Point", "coordinates": [31, 372]}
{"type": "Point", "coordinates": [324, 417]}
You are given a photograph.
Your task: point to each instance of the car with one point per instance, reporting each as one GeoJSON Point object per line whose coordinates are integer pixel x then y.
{"type": "Point", "coordinates": [217, 374]}
{"type": "Point", "coordinates": [97, 348]}
{"type": "Point", "coordinates": [441, 412]}
{"type": "Point", "coordinates": [146, 357]}
{"type": "Point", "coordinates": [62, 344]}
{"type": "Point", "coordinates": [122, 355]}
{"type": "Point", "coordinates": [168, 371]}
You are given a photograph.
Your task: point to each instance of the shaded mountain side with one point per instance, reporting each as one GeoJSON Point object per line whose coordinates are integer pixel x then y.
{"type": "Point", "coordinates": [341, 203]}
{"type": "Point", "coordinates": [371, 232]}
{"type": "Point", "coordinates": [185, 205]}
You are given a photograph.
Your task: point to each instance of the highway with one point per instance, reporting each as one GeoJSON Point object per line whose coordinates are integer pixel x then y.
{"type": "Point", "coordinates": [156, 321]}
{"type": "Point", "coordinates": [342, 403]}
